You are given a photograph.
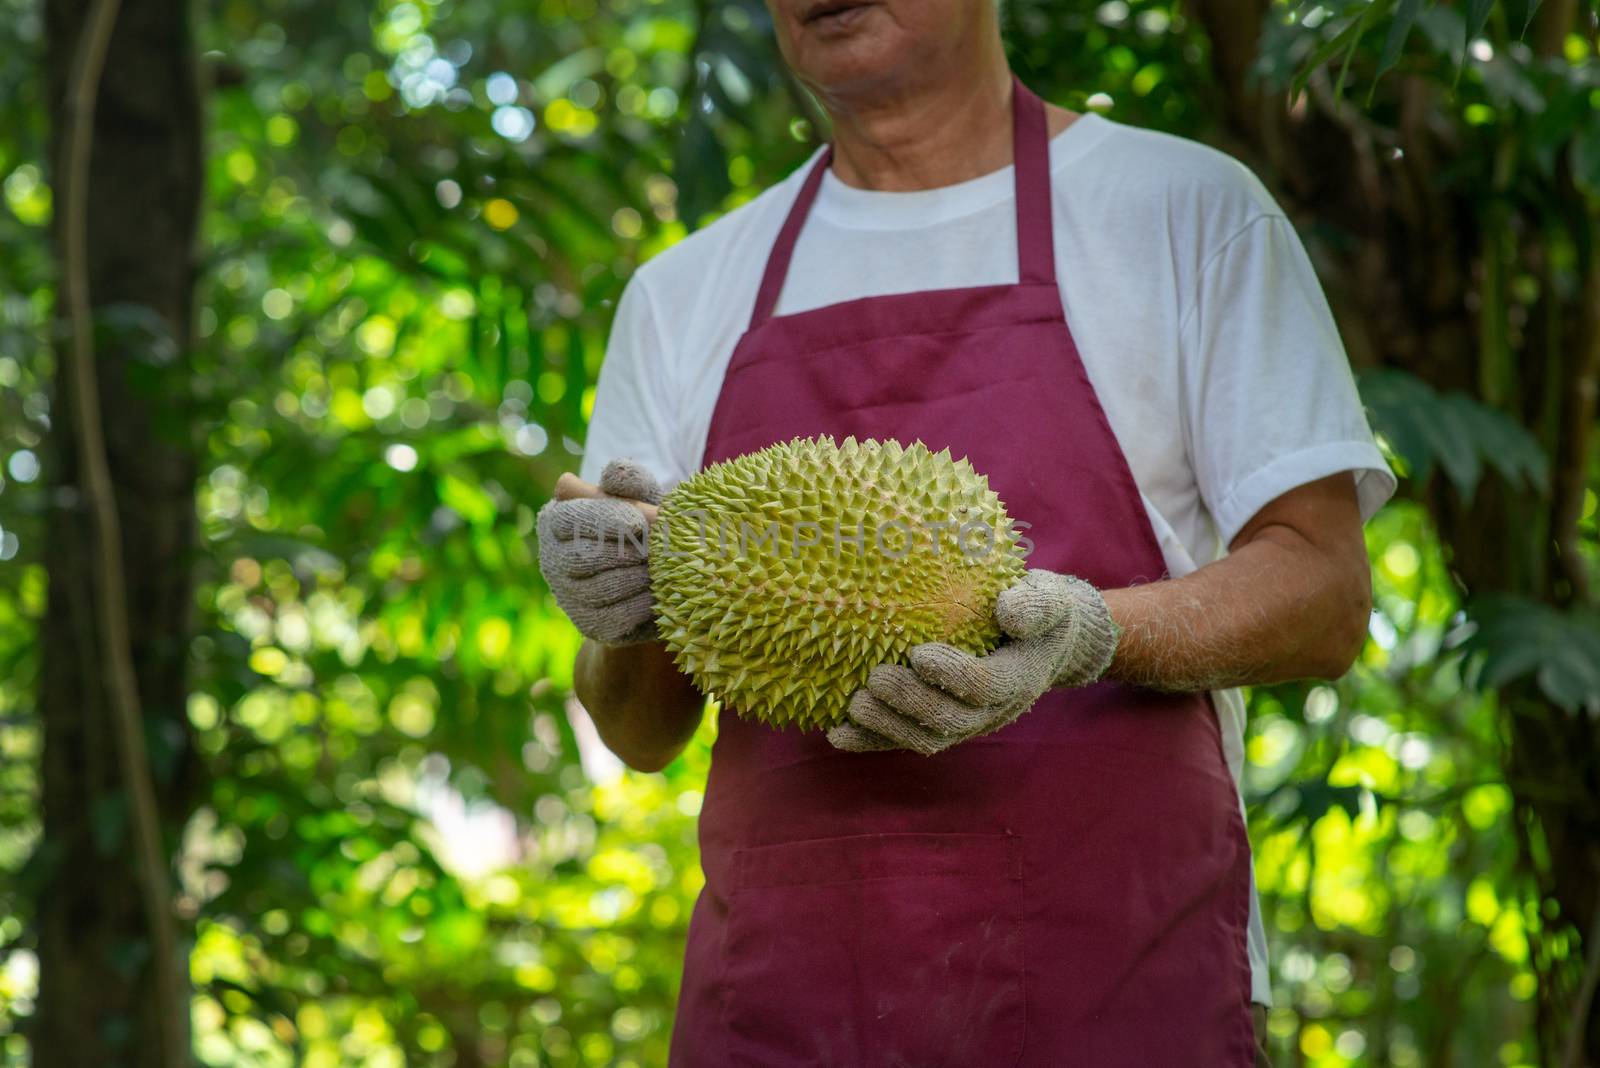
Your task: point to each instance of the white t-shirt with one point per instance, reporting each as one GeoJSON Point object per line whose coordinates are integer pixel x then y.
{"type": "Point", "coordinates": [1200, 321]}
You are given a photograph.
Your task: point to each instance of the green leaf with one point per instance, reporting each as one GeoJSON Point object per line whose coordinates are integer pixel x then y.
{"type": "Point", "coordinates": [1375, 9]}
{"type": "Point", "coordinates": [1453, 445]}
{"type": "Point", "coordinates": [1517, 638]}
{"type": "Point", "coordinates": [1509, 663]}
{"type": "Point", "coordinates": [1571, 680]}
{"type": "Point", "coordinates": [467, 499]}
{"type": "Point", "coordinates": [1405, 18]}
{"type": "Point", "coordinates": [486, 548]}
{"type": "Point", "coordinates": [1326, 51]}
{"type": "Point", "coordinates": [1443, 28]}
{"type": "Point", "coordinates": [1505, 445]}
{"type": "Point", "coordinates": [1389, 397]}
{"type": "Point", "coordinates": [557, 78]}
{"type": "Point", "coordinates": [1453, 431]}
{"type": "Point", "coordinates": [1509, 86]}
{"type": "Point", "coordinates": [1477, 17]}
{"type": "Point", "coordinates": [1533, 9]}
{"type": "Point", "coordinates": [471, 440]}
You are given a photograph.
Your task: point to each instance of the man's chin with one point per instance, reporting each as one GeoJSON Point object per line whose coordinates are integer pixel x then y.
{"type": "Point", "coordinates": [863, 66]}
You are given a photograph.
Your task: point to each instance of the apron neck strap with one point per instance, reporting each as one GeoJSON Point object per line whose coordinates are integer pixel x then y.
{"type": "Point", "coordinates": [1036, 246]}
{"type": "Point", "coordinates": [1036, 262]}
{"type": "Point", "coordinates": [783, 248]}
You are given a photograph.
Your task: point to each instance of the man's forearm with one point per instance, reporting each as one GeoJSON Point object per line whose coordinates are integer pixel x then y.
{"type": "Point", "coordinates": [645, 709]}
{"type": "Point", "coordinates": [1272, 610]}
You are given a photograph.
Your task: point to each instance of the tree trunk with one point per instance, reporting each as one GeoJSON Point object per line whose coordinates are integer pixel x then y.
{"type": "Point", "coordinates": [1411, 285]}
{"type": "Point", "coordinates": [98, 1004]}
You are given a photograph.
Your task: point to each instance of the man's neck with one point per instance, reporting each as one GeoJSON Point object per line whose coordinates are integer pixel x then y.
{"type": "Point", "coordinates": [946, 131]}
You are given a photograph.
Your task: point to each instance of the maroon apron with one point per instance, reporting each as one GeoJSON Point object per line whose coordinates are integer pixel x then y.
{"type": "Point", "coordinates": [1070, 890]}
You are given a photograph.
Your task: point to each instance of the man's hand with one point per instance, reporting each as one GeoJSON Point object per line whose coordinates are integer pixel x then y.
{"type": "Point", "coordinates": [1059, 634]}
{"type": "Point", "coordinates": [593, 552]}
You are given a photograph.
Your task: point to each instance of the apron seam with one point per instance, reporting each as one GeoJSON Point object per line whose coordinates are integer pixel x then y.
{"type": "Point", "coordinates": [724, 988]}
{"type": "Point", "coordinates": [1241, 876]}
{"type": "Point", "coordinates": [831, 349]}
{"type": "Point", "coordinates": [1018, 875]}
{"type": "Point", "coordinates": [1246, 1027]}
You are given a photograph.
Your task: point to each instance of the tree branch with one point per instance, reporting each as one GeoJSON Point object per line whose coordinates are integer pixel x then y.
{"type": "Point", "coordinates": [112, 618]}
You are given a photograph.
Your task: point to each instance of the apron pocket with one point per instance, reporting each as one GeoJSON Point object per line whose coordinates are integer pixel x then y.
{"type": "Point", "coordinates": [876, 951]}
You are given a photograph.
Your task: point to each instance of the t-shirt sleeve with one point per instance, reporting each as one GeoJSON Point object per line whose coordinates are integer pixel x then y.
{"type": "Point", "coordinates": [1269, 401]}
{"type": "Point", "coordinates": [635, 400]}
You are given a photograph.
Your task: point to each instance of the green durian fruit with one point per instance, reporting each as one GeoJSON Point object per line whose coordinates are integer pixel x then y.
{"type": "Point", "coordinates": [783, 577]}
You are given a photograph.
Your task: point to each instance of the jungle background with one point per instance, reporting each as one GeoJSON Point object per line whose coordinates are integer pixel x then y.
{"type": "Point", "coordinates": [351, 267]}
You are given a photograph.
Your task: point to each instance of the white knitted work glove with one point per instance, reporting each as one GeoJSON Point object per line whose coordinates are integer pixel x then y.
{"type": "Point", "coordinates": [1057, 633]}
{"type": "Point", "coordinates": [589, 554]}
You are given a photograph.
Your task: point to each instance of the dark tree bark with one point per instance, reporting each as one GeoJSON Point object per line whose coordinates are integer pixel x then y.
{"type": "Point", "coordinates": [1420, 267]}
{"type": "Point", "coordinates": [98, 1004]}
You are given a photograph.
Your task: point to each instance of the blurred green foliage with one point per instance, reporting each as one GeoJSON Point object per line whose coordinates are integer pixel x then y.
{"type": "Point", "coordinates": [419, 216]}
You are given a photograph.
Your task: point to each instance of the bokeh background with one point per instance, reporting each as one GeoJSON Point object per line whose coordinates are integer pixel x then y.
{"type": "Point", "coordinates": [353, 266]}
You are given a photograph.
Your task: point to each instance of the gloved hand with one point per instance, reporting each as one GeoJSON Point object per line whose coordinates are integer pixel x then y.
{"type": "Point", "coordinates": [590, 561]}
{"type": "Point", "coordinates": [1058, 633]}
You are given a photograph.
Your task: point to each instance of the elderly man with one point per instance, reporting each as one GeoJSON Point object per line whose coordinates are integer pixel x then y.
{"type": "Point", "coordinates": [1035, 857]}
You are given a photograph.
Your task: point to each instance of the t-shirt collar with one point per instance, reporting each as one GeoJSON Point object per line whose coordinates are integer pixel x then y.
{"type": "Point", "coordinates": [872, 209]}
